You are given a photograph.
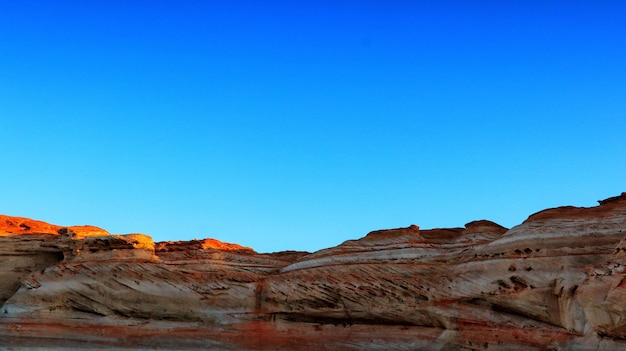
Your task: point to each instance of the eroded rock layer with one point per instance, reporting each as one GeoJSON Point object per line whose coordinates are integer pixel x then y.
{"type": "Point", "coordinates": [556, 281]}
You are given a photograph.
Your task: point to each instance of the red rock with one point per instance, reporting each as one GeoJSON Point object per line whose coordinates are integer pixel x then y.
{"type": "Point", "coordinates": [200, 244]}
{"type": "Point", "coordinates": [606, 207]}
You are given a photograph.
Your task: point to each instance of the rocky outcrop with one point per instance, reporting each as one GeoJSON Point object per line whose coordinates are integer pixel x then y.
{"type": "Point", "coordinates": [10, 226]}
{"type": "Point", "coordinates": [27, 246]}
{"type": "Point", "coordinates": [556, 281]}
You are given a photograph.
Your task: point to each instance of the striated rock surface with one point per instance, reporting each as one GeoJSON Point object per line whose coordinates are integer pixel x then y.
{"type": "Point", "coordinates": [554, 282]}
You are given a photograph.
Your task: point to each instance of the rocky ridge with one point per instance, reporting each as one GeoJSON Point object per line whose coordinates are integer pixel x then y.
{"type": "Point", "coordinates": [556, 281]}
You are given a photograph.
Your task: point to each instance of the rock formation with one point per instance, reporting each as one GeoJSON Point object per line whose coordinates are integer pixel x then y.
{"type": "Point", "coordinates": [556, 281]}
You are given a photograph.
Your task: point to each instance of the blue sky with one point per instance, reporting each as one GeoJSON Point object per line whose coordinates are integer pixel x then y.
{"type": "Point", "coordinates": [299, 125]}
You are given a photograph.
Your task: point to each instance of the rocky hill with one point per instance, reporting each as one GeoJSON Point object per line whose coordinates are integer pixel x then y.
{"type": "Point", "coordinates": [556, 281]}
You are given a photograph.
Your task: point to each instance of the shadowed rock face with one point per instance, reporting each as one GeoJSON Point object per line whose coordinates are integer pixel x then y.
{"type": "Point", "coordinates": [556, 281]}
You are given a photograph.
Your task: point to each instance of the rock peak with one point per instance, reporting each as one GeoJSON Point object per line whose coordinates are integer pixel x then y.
{"type": "Point", "coordinates": [607, 207]}
{"type": "Point", "coordinates": [614, 199]}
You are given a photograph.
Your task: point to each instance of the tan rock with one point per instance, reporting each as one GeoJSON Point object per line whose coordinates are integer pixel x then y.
{"type": "Point", "coordinates": [555, 281]}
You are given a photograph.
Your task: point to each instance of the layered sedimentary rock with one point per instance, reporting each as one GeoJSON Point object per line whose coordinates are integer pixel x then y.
{"type": "Point", "coordinates": [556, 281]}
{"type": "Point", "coordinates": [28, 245]}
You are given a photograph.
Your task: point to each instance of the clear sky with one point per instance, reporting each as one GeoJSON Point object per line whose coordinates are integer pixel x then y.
{"type": "Point", "coordinates": [301, 124]}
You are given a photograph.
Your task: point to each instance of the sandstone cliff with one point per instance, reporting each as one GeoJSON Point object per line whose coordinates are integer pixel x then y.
{"type": "Point", "coordinates": [556, 281]}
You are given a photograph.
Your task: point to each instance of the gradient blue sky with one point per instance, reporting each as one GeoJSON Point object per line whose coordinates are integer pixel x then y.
{"type": "Point", "coordinates": [302, 124]}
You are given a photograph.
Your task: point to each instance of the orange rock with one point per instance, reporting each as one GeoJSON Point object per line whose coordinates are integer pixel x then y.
{"type": "Point", "coordinates": [18, 225]}
{"type": "Point", "coordinates": [10, 225]}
